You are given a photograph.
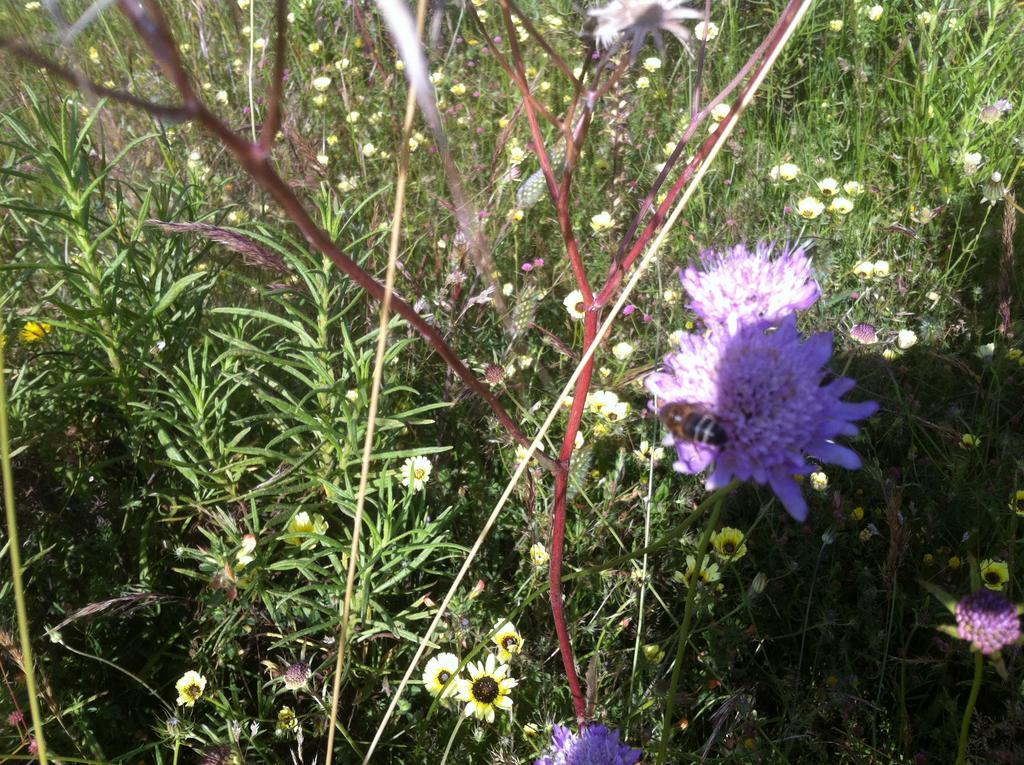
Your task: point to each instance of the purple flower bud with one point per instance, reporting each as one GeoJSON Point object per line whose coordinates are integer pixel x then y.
{"type": "Point", "coordinates": [864, 334]}
{"type": "Point", "coordinates": [987, 620]}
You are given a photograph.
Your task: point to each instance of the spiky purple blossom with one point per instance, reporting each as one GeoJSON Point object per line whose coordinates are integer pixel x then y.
{"type": "Point", "coordinates": [987, 620]}
{"type": "Point", "coordinates": [593, 745]}
{"type": "Point", "coordinates": [735, 286]}
{"type": "Point", "coordinates": [864, 334]}
{"type": "Point", "coordinates": [768, 391]}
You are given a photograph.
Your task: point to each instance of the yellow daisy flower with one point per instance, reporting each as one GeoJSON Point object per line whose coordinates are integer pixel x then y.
{"type": "Point", "coordinates": [1018, 502]}
{"type": "Point", "coordinates": [487, 689]}
{"type": "Point", "coordinates": [190, 688]}
{"type": "Point", "coordinates": [439, 673]}
{"type": "Point", "coordinates": [708, 571]}
{"type": "Point", "coordinates": [287, 722]}
{"type": "Point", "coordinates": [994, 573]}
{"type": "Point", "coordinates": [729, 543]}
{"type": "Point", "coordinates": [508, 640]}
{"type": "Point", "coordinates": [539, 555]}
{"type": "Point", "coordinates": [34, 331]}
{"type": "Point", "coordinates": [303, 523]}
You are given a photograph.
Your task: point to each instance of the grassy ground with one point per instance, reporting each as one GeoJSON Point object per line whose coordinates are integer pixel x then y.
{"type": "Point", "coordinates": [179, 396]}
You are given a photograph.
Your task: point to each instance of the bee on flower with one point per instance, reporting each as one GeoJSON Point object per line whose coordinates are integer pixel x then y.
{"type": "Point", "coordinates": [828, 187]}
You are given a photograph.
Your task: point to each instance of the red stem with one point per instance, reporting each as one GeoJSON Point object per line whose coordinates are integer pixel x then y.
{"type": "Point", "coordinates": [560, 513]}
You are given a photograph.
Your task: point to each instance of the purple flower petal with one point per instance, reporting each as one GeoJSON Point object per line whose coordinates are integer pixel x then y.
{"type": "Point", "coordinates": [593, 745]}
{"type": "Point", "coordinates": [736, 286]}
{"type": "Point", "coordinates": [765, 389]}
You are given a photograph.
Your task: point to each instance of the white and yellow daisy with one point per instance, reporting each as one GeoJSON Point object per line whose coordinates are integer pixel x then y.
{"type": "Point", "coordinates": [508, 639]}
{"type": "Point", "coordinates": [190, 688]}
{"type": "Point", "coordinates": [416, 472]}
{"type": "Point", "coordinates": [487, 689]}
{"type": "Point", "coordinates": [439, 673]}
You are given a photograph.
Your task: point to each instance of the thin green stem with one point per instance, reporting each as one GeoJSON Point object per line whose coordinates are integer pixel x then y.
{"type": "Point", "coordinates": [684, 629]}
{"type": "Point", "coordinates": [451, 739]}
{"type": "Point", "coordinates": [965, 726]}
{"type": "Point", "coordinates": [15, 551]}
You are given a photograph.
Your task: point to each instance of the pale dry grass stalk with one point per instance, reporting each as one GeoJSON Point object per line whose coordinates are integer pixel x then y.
{"type": "Point", "coordinates": [14, 550]}
{"type": "Point", "coordinates": [378, 371]}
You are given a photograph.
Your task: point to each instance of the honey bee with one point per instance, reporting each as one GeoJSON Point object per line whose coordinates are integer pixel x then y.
{"type": "Point", "coordinates": [692, 423]}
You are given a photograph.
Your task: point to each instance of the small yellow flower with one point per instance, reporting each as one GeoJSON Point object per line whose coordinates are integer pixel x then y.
{"type": "Point", "coordinates": [94, 55]}
{"type": "Point", "coordinates": [705, 31]}
{"type": "Point", "coordinates": [906, 338]}
{"type": "Point", "coordinates": [516, 155]}
{"type": "Point", "coordinates": [508, 640]}
{"type": "Point", "coordinates": [555, 22]}
{"type": "Point", "coordinates": [287, 722]}
{"type": "Point", "coordinates": [809, 208]}
{"type": "Point", "coordinates": [458, 89]}
{"type": "Point", "coordinates": [303, 523]}
{"type": "Point", "coordinates": [601, 222]}
{"type": "Point", "coordinates": [654, 653]}
{"type": "Point", "coordinates": [840, 206]}
{"type": "Point", "coordinates": [970, 441]}
{"type": "Point", "coordinates": [259, 43]}
{"type": "Point", "coordinates": [819, 481]}
{"type": "Point", "coordinates": [729, 543]}
{"type": "Point", "coordinates": [787, 171]}
{"type": "Point", "coordinates": [719, 113]}
{"type": "Point", "coordinates": [875, 12]}
{"type": "Point", "coordinates": [369, 149]}
{"type": "Point", "coordinates": [319, 100]}
{"type": "Point", "coordinates": [221, 97]}
{"type": "Point", "coordinates": [828, 187]}
{"type": "Point", "coordinates": [994, 573]}
{"type": "Point", "coordinates": [622, 351]}
{"type": "Point", "coordinates": [599, 401]}
{"type": "Point", "coordinates": [836, 25]}
{"type": "Point", "coordinates": [323, 159]}
{"type": "Point", "coordinates": [342, 64]}
{"type": "Point", "coordinates": [530, 730]}
{"type": "Point", "coordinates": [245, 556]}
{"type": "Point", "coordinates": [321, 83]}
{"type": "Point", "coordinates": [924, 18]}
{"type": "Point", "coordinates": [539, 555]}
{"type": "Point", "coordinates": [954, 562]}
{"type": "Point", "coordinates": [708, 571]}
{"type": "Point", "coordinates": [34, 331]}
{"type": "Point", "coordinates": [652, 64]}
{"type": "Point", "coordinates": [439, 673]}
{"type": "Point", "coordinates": [882, 269]}
{"type": "Point", "coordinates": [643, 83]}
{"type": "Point", "coordinates": [416, 472]}
{"type": "Point", "coordinates": [865, 269]}
{"type": "Point", "coordinates": [190, 688]}
{"type": "Point", "coordinates": [315, 47]}
{"type": "Point", "coordinates": [1018, 502]}
{"type": "Point", "coordinates": [857, 513]}
{"type": "Point", "coordinates": [487, 689]}
{"type": "Point", "coordinates": [573, 303]}
{"type": "Point", "coordinates": [853, 188]}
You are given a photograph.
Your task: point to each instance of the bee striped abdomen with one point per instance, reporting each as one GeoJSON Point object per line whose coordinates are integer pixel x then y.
{"type": "Point", "coordinates": [693, 424]}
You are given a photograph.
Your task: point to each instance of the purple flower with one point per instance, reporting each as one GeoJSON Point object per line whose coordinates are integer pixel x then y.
{"type": "Point", "coordinates": [864, 334]}
{"type": "Point", "coordinates": [628, 310]}
{"type": "Point", "coordinates": [737, 286]}
{"type": "Point", "coordinates": [987, 620]}
{"type": "Point", "coordinates": [768, 392]}
{"type": "Point", "coordinates": [593, 745]}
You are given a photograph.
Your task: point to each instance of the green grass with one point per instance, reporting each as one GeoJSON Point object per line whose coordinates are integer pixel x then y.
{"type": "Point", "coordinates": [187, 397]}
